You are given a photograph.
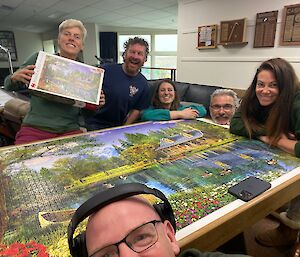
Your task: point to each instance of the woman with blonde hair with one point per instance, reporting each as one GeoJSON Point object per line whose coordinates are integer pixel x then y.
{"type": "Point", "coordinates": [47, 118]}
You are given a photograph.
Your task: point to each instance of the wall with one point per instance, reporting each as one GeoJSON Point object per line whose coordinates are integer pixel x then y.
{"type": "Point", "coordinates": [132, 30]}
{"type": "Point", "coordinates": [91, 45]}
{"type": "Point", "coordinates": [137, 31]}
{"type": "Point", "coordinates": [92, 48]}
{"type": "Point", "coordinates": [27, 43]}
{"type": "Point", "coordinates": [228, 67]}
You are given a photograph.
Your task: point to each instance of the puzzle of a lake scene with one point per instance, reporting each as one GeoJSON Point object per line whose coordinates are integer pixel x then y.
{"type": "Point", "coordinates": [192, 162]}
{"type": "Point", "coordinates": [67, 78]}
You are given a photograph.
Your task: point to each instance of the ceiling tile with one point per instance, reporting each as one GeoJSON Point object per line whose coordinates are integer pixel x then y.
{"type": "Point", "coordinates": [42, 3]}
{"type": "Point", "coordinates": [153, 15]}
{"type": "Point", "coordinates": [172, 9]}
{"type": "Point", "coordinates": [81, 2]}
{"type": "Point", "coordinates": [127, 22]}
{"type": "Point", "coordinates": [67, 7]}
{"type": "Point", "coordinates": [106, 18]}
{"type": "Point", "coordinates": [158, 4]}
{"type": "Point", "coordinates": [133, 9]}
{"type": "Point", "coordinates": [35, 14]}
{"type": "Point", "coordinates": [37, 28]}
{"type": "Point", "coordinates": [11, 3]}
{"type": "Point", "coordinates": [52, 14]}
{"type": "Point", "coordinates": [138, 1]}
{"type": "Point", "coordinates": [87, 12]}
{"type": "Point", "coordinates": [4, 12]}
{"type": "Point", "coordinates": [112, 4]}
{"type": "Point", "coordinates": [24, 12]}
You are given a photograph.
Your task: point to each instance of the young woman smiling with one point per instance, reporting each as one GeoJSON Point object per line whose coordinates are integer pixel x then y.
{"type": "Point", "coordinates": [270, 112]}
{"type": "Point", "coordinates": [165, 105]}
{"type": "Point", "coordinates": [270, 109]}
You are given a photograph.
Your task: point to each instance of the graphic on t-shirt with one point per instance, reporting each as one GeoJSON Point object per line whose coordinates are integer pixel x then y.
{"type": "Point", "coordinates": [133, 90]}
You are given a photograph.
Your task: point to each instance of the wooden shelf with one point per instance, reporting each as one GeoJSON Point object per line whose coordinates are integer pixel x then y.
{"type": "Point", "coordinates": [233, 44]}
{"type": "Point", "coordinates": [206, 47]}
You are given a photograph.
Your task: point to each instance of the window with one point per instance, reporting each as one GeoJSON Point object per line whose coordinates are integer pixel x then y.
{"type": "Point", "coordinates": [165, 61]}
{"type": "Point", "coordinates": [48, 46]}
{"type": "Point", "coordinates": [165, 43]}
{"type": "Point", "coordinates": [163, 54]}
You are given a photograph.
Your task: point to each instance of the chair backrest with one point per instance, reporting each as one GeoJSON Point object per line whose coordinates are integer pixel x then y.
{"type": "Point", "coordinates": [16, 109]}
{"type": "Point", "coordinates": [11, 117]}
{"type": "Point", "coordinates": [188, 92]}
{"type": "Point", "coordinates": [199, 94]}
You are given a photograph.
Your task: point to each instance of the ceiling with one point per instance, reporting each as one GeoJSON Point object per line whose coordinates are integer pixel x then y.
{"type": "Point", "coordinates": [45, 15]}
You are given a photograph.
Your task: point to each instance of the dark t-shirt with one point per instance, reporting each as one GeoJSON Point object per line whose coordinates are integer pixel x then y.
{"type": "Point", "coordinates": [123, 93]}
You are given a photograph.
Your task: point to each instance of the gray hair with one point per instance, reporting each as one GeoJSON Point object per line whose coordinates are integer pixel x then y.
{"type": "Point", "coordinates": [71, 23]}
{"type": "Point", "coordinates": [229, 92]}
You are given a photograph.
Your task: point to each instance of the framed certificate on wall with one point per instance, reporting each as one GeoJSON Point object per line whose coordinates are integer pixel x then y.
{"type": "Point", "coordinates": [290, 30]}
{"type": "Point", "coordinates": [7, 40]}
{"type": "Point", "coordinates": [207, 36]}
{"type": "Point", "coordinates": [265, 29]}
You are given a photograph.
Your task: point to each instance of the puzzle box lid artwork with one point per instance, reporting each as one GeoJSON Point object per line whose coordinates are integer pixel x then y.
{"type": "Point", "coordinates": [67, 78]}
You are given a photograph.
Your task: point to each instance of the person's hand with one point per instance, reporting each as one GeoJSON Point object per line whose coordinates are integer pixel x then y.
{"type": "Point", "coordinates": [102, 99]}
{"type": "Point", "coordinates": [265, 139]}
{"type": "Point", "coordinates": [189, 114]}
{"type": "Point", "coordinates": [283, 137]}
{"type": "Point", "coordinates": [291, 136]}
{"type": "Point", "coordinates": [285, 142]}
{"type": "Point", "coordinates": [23, 75]}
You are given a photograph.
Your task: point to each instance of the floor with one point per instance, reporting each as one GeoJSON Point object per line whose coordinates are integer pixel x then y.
{"type": "Point", "coordinates": [256, 250]}
{"type": "Point", "coordinates": [245, 243]}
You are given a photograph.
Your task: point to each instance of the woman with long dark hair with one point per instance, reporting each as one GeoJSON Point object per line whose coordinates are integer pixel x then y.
{"type": "Point", "coordinates": [270, 112]}
{"type": "Point", "coordinates": [165, 105]}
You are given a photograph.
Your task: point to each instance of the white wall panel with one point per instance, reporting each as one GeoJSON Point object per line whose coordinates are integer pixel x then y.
{"type": "Point", "coordinates": [226, 66]}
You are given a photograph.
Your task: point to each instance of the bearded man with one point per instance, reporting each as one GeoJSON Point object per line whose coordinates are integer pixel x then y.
{"type": "Point", "coordinates": [126, 89]}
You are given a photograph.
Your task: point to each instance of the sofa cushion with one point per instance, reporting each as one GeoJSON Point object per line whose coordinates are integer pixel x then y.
{"type": "Point", "coordinates": [188, 92]}
{"type": "Point", "coordinates": [182, 89]}
{"type": "Point", "coordinates": [199, 94]}
{"type": "Point", "coordinates": [16, 107]}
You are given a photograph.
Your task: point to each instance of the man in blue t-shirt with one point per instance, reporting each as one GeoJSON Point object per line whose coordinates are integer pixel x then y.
{"type": "Point", "coordinates": [126, 89]}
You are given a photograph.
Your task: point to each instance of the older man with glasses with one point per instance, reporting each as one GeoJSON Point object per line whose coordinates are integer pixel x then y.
{"type": "Point", "coordinates": [223, 104]}
{"type": "Point", "coordinates": [131, 226]}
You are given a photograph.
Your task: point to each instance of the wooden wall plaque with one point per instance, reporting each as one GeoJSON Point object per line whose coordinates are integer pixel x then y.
{"type": "Point", "coordinates": [233, 32]}
{"type": "Point", "coordinates": [207, 36]}
{"type": "Point", "coordinates": [290, 30]}
{"type": "Point", "coordinates": [265, 29]}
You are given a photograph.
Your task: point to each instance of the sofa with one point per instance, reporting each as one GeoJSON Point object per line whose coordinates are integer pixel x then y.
{"type": "Point", "coordinates": [13, 112]}
{"type": "Point", "coordinates": [195, 93]}
{"type": "Point", "coordinates": [11, 116]}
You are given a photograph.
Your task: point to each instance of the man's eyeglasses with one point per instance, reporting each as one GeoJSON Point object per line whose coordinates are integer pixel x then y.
{"type": "Point", "coordinates": [226, 107]}
{"type": "Point", "coordinates": [138, 240]}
